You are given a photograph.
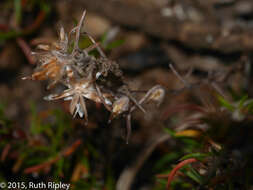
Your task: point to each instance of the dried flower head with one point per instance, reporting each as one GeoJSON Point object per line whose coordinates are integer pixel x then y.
{"type": "Point", "coordinates": [88, 78]}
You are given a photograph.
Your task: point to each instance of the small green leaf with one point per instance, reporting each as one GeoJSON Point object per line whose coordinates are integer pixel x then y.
{"type": "Point", "coordinates": [250, 106]}
{"type": "Point", "coordinates": [170, 131]}
{"type": "Point", "coordinates": [110, 182]}
{"type": "Point", "coordinates": [103, 38]}
{"type": "Point", "coordinates": [198, 156]}
{"type": "Point", "coordinates": [194, 175]}
{"type": "Point", "coordinates": [59, 166]}
{"type": "Point", "coordinates": [166, 160]}
{"type": "Point", "coordinates": [46, 7]}
{"type": "Point", "coordinates": [242, 101]}
{"type": "Point", "coordinates": [114, 44]}
{"type": "Point", "coordinates": [18, 11]}
{"type": "Point", "coordinates": [225, 103]}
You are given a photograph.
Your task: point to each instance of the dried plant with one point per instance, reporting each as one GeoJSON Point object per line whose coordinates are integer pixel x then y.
{"type": "Point", "coordinates": [87, 77]}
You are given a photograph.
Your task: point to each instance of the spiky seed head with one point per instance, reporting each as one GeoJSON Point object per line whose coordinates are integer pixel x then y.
{"type": "Point", "coordinates": [121, 105]}
{"type": "Point", "coordinates": [157, 94]}
{"type": "Point", "coordinates": [62, 34]}
{"type": "Point", "coordinates": [43, 47]}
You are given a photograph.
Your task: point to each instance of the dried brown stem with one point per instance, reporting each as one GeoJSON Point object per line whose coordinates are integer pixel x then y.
{"type": "Point", "coordinates": [78, 30]}
{"type": "Point", "coordinates": [98, 46]}
{"type": "Point", "coordinates": [214, 79]}
{"type": "Point", "coordinates": [102, 98]}
{"type": "Point", "coordinates": [26, 50]}
{"type": "Point", "coordinates": [178, 76]}
{"type": "Point", "coordinates": [126, 178]}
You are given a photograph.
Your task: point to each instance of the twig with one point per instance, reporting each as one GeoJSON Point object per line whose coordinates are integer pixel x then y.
{"type": "Point", "coordinates": [127, 176]}
{"type": "Point", "coordinates": [180, 107]}
{"type": "Point", "coordinates": [102, 97]}
{"type": "Point", "coordinates": [5, 152]}
{"type": "Point", "coordinates": [94, 42]}
{"type": "Point", "coordinates": [128, 126]}
{"type": "Point", "coordinates": [41, 166]}
{"type": "Point", "coordinates": [4, 27]}
{"type": "Point", "coordinates": [78, 30]}
{"type": "Point", "coordinates": [39, 19]}
{"type": "Point", "coordinates": [26, 31]}
{"type": "Point", "coordinates": [72, 148]}
{"type": "Point", "coordinates": [66, 152]}
{"type": "Point", "coordinates": [178, 166]}
{"type": "Point", "coordinates": [213, 80]}
{"type": "Point", "coordinates": [186, 84]}
{"type": "Point", "coordinates": [26, 49]}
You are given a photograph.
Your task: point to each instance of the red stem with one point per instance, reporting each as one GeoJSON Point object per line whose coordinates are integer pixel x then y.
{"type": "Point", "coordinates": [26, 49]}
{"type": "Point", "coordinates": [5, 152]}
{"type": "Point", "coordinates": [178, 166]}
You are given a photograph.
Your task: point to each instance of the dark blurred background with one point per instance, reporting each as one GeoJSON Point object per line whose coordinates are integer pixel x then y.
{"type": "Point", "coordinates": [208, 42]}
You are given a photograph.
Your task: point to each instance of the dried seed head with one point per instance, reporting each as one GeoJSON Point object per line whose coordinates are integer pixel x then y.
{"type": "Point", "coordinates": [49, 97]}
{"type": "Point", "coordinates": [119, 106]}
{"type": "Point", "coordinates": [54, 62]}
{"type": "Point", "coordinates": [43, 47]}
{"type": "Point", "coordinates": [62, 34]}
{"type": "Point", "coordinates": [86, 77]}
{"type": "Point", "coordinates": [157, 94]}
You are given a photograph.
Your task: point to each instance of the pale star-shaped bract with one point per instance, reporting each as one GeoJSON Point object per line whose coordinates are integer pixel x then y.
{"type": "Point", "coordinates": [77, 92]}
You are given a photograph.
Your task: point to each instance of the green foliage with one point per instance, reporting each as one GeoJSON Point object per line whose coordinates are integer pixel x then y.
{"type": "Point", "coordinates": [166, 160]}
{"type": "Point", "coordinates": [5, 123]}
{"type": "Point", "coordinates": [198, 156]}
{"type": "Point", "coordinates": [184, 151]}
{"type": "Point", "coordinates": [18, 10]}
{"type": "Point", "coordinates": [54, 127]}
{"type": "Point", "coordinates": [215, 159]}
{"type": "Point", "coordinates": [225, 103]}
{"type": "Point", "coordinates": [15, 5]}
{"type": "Point", "coordinates": [111, 45]}
{"type": "Point", "coordinates": [194, 175]}
{"type": "Point", "coordinates": [114, 44]}
{"type": "Point", "coordinates": [240, 108]}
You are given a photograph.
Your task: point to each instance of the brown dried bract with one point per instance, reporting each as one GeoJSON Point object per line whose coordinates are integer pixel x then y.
{"type": "Point", "coordinates": [88, 78]}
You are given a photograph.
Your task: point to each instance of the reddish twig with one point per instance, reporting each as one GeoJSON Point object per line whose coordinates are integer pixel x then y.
{"type": "Point", "coordinates": [162, 176]}
{"type": "Point", "coordinates": [23, 3]}
{"type": "Point", "coordinates": [37, 41]}
{"type": "Point", "coordinates": [178, 166]}
{"type": "Point", "coordinates": [27, 30]}
{"type": "Point", "coordinates": [66, 152]}
{"type": "Point", "coordinates": [41, 166]}
{"type": "Point", "coordinates": [177, 108]}
{"type": "Point", "coordinates": [73, 147]}
{"type": "Point", "coordinates": [22, 44]}
{"type": "Point", "coordinates": [5, 152]}
{"type": "Point", "coordinates": [4, 27]}
{"type": "Point", "coordinates": [26, 49]}
{"type": "Point", "coordinates": [39, 19]}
